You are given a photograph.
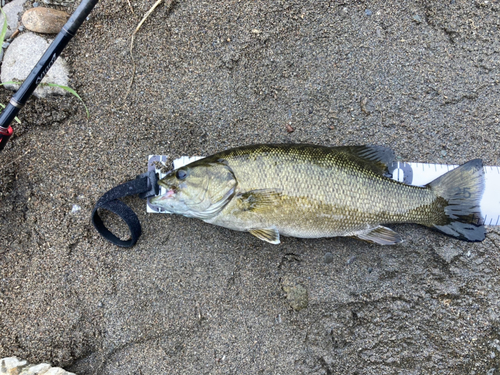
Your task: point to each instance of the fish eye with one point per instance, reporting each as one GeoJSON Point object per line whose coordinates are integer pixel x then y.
{"type": "Point", "coordinates": [181, 174]}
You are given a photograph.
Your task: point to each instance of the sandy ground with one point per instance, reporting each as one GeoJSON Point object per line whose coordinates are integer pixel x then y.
{"type": "Point", "coordinates": [420, 77]}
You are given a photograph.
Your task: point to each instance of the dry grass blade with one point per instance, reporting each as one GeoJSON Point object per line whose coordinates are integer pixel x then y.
{"type": "Point", "coordinates": [130, 6]}
{"type": "Point", "coordinates": [148, 13]}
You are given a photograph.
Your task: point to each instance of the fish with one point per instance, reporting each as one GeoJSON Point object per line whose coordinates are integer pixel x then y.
{"type": "Point", "coordinates": [312, 191]}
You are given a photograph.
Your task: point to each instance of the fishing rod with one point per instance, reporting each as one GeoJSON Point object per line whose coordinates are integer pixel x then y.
{"type": "Point", "coordinates": [48, 59]}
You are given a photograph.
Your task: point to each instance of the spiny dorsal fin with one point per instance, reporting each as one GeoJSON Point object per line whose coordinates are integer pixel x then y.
{"type": "Point", "coordinates": [376, 158]}
{"type": "Point", "coordinates": [380, 235]}
{"type": "Point", "coordinates": [270, 235]}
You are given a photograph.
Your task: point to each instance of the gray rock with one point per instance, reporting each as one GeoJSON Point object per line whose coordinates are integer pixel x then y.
{"type": "Point", "coordinates": [20, 58]}
{"type": "Point", "coordinates": [13, 11]}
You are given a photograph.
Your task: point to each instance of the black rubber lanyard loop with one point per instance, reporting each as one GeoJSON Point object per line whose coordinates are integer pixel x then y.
{"type": "Point", "coordinates": [146, 186]}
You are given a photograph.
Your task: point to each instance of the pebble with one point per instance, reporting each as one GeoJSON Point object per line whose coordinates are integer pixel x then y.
{"type": "Point", "coordinates": [351, 260]}
{"type": "Point", "coordinates": [417, 18]}
{"type": "Point", "coordinates": [59, 2]}
{"type": "Point", "coordinates": [44, 20]}
{"type": "Point", "coordinates": [368, 12]}
{"type": "Point", "coordinates": [76, 208]}
{"type": "Point", "coordinates": [328, 257]}
{"type": "Point", "coordinates": [448, 252]}
{"type": "Point", "coordinates": [9, 364]}
{"type": "Point", "coordinates": [5, 44]}
{"type": "Point", "coordinates": [20, 58]}
{"type": "Point", "coordinates": [296, 294]}
{"type": "Point", "coordinates": [13, 10]}
{"type": "Point", "coordinates": [15, 366]}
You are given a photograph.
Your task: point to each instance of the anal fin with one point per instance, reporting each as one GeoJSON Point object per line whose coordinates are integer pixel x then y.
{"type": "Point", "coordinates": [270, 235]}
{"type": "Point", "coordinates": [380, 235]}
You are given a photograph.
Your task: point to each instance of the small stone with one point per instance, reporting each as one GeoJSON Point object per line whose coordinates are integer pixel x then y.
{"type": "Point", "coordinates": [44, 20]}
{"type": "Point", "coordinates": [76, 208]}
{"type": "Point", "coordinates": [328, 257]}
{"type": "Point", "coordinates": [13, 11]}
{"type": "Point", "coordinates": [366, 106]}
{"type": "Point", "coordinates": [5, 45]}
{"type": "Point", "coordinates": [14, 366]}
{"type": "Point", "coordinates": [296, 294]}
{"type": "Point", "coordinates": [351, 260]}
{"type": "Point", "coordinates": [11, 365]}
{"type": "Point", "coordinates": [368, 12]}
{"type": "Point", "coordinates": [448, 252]}
{"type": "Point", "coordinates": [59, 2]}
{"type": "Point", "coordinates": [57, 371]}
{"type": "Point", "coordinates": [417, 18]}
{"type": "Point", "coordinates": [443, 152]}
{"type": "Point", "coordinates": [35, 4]}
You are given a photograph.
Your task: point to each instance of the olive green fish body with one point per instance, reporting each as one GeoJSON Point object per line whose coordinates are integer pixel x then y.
{"type": "Point", "coordinates": [313, 191]}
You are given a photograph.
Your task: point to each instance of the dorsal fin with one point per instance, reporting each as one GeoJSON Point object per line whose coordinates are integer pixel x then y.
{"type": "Point", "coordinates": [375, 158]}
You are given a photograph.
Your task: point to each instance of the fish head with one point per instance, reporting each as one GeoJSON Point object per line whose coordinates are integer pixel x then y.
{"type": "Point", "coordinates": [199, 189]}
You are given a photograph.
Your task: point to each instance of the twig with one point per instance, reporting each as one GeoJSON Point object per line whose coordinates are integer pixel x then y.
{"type": "Point", "coordinates": [130, 6]}
{"type": "Point", "coordinates": [169, 4]}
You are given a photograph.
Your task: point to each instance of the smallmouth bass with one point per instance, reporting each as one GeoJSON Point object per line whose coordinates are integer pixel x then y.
{"type": "Point", "coordinates": [310, 191]}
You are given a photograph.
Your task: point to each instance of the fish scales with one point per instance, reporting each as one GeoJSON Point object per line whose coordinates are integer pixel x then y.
{"type": "Point", "coordinates": [314, 191]}
{"type": "Point", "coordinates": [322, 194]}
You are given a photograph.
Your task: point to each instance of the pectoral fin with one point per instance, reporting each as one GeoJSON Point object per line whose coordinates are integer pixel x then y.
{"type": "Point", "coordinates": [270, 235]}
{"type": "Point", "coordinates": [259, 200]}
{"type": "Point", "coordinates": [380, 235]}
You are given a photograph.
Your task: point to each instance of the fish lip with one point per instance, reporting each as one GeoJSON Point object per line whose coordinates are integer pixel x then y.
{"type": "Point", "coordinates": [165, 197]}
{"type": "Point", "coordinates": [169, 194]}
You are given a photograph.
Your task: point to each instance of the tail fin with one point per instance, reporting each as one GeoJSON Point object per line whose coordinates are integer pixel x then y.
{"type": "Point", "coordinates": [462, 190]}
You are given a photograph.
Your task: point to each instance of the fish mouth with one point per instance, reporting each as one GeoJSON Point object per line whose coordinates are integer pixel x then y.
{"type": "Point", "coordinates": [159, 200]}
